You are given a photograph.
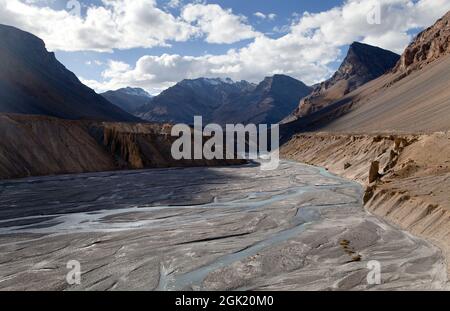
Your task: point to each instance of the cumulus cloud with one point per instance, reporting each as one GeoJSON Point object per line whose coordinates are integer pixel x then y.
{"type": "Point", "coordinates": [263, 57]}
{"type": "Point", "coordinates": [220, 25]}
{"type": "Point", "coordinates": [348, 23]}
{"type": "Point", "coordinates": [119, 24]}
{"type": "Point", "coordinates": [123, 24]}
{"type": "Point", "coordinates": [312, 43]}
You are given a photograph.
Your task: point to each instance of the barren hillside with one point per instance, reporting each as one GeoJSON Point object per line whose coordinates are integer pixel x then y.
{"type": "Point", "coordinates": [36, 145]}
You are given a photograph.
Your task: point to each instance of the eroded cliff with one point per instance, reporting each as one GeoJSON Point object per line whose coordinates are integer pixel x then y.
{"type": "Point", "coordinates": [37, 145]}
{"type": "Point", "coordinates": [406, 177]}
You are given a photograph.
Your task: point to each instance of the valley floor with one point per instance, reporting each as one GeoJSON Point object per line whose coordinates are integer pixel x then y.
{"type": "Point", "coordinates": [295, 228]}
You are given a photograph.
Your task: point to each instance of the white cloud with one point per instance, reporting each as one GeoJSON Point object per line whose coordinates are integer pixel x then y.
{"type": "Point", "coordinates": [124, 24]}
{"type": "Point", "coordinates": [348, 23]}
{"type": "Point", "coordinates": [219, 25]}
{"type": "Point", "coordinates": [117, 24]}
{"type": "Point", "coordinates": [260, 15]}
{"type": "Point", "coordinates": [263, 57]}
{"type": "Point", "coordinates": [312, 43]}
{"type": "Point", "coordinates": [270, 16]}
{"type": "Point", "coordinates": [174, 3]}
{"type": "Point", "coordinates": [94, 62]}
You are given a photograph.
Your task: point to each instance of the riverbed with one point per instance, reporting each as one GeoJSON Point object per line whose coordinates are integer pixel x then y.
{"type": "Point", "coordinates": [224, 228]}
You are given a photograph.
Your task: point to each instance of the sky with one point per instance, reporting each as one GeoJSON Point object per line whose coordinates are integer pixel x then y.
{"type": "Point", "coordinates": [154, 44]}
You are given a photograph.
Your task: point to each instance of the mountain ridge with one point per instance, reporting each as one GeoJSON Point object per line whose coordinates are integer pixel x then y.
{"type": "Point", "coordinates": [33, 81]}
{"type": "Point", "coordinates": [226, 101]}
{"type": "Point", "coordinates": [362, 64]}
{"type": "Point", "coordinates": [128, 98]}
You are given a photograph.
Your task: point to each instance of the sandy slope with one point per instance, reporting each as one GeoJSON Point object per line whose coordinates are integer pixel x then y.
{"type": "Point", "coordinates": [420, 102]}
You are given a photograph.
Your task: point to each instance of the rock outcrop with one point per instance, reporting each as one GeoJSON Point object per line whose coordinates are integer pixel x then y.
{"type": "Point", "coordinates": [428, 46]}
{"type": "Point", "coordinates": [374, 175]}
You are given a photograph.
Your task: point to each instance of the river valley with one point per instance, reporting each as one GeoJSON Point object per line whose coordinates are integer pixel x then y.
{"type": "Point", "coordinates": [224, 228]}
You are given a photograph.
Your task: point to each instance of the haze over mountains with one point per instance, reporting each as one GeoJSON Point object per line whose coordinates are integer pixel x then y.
{"type": "Point", "coordinates": [32, 81]}
{"type": "Point", "coordinates": [267, 103]}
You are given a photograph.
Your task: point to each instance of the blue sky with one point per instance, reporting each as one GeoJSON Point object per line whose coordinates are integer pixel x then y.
{"type": "Point", "coordinates": [285, 10]}
{"type": "Point", "coordinates": [155, 43]}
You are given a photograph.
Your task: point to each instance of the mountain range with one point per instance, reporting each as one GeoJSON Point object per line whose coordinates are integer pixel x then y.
{"type": "Point", "coordinates": [32, 81]}
{"type": "Point", "coordinates": [275, 99]}
{"type": "Point", "coordinates": [225, 101]}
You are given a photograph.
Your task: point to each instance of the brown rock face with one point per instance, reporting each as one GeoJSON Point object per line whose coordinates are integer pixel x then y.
{"type": "Point", "coordinates": [374, 174]}
{"type": "Point", "coordinates": [429, 45]}
{"type": "Point", "coordinates": [37, 145]}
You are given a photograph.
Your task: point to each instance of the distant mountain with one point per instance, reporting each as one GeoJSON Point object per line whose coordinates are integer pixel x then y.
{"type": "Point", "coordinates": [32, 81]}
{"type": "Point", "coordinates": [225, 101]}
{"type": "Point", "coordinates": [362, 64]}
{"type": "Point", "coordinates": [128, 99]}
{"type": "Point", "coordinates": [189, 98]}
{"type": "Point", "coordinates": [269, 102]}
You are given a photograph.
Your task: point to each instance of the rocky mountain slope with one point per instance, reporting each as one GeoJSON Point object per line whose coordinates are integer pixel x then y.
{"type": "Point", "coordinates": [362, 64]}
{"type": "Point", "coordinates": [32, 81]}
{"type": "Point", "coordinates": [225, 101]}
{"type": "Point", "coordinates": [429, 45]}
{"type": "Point", "coordinates": [128, 99]}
